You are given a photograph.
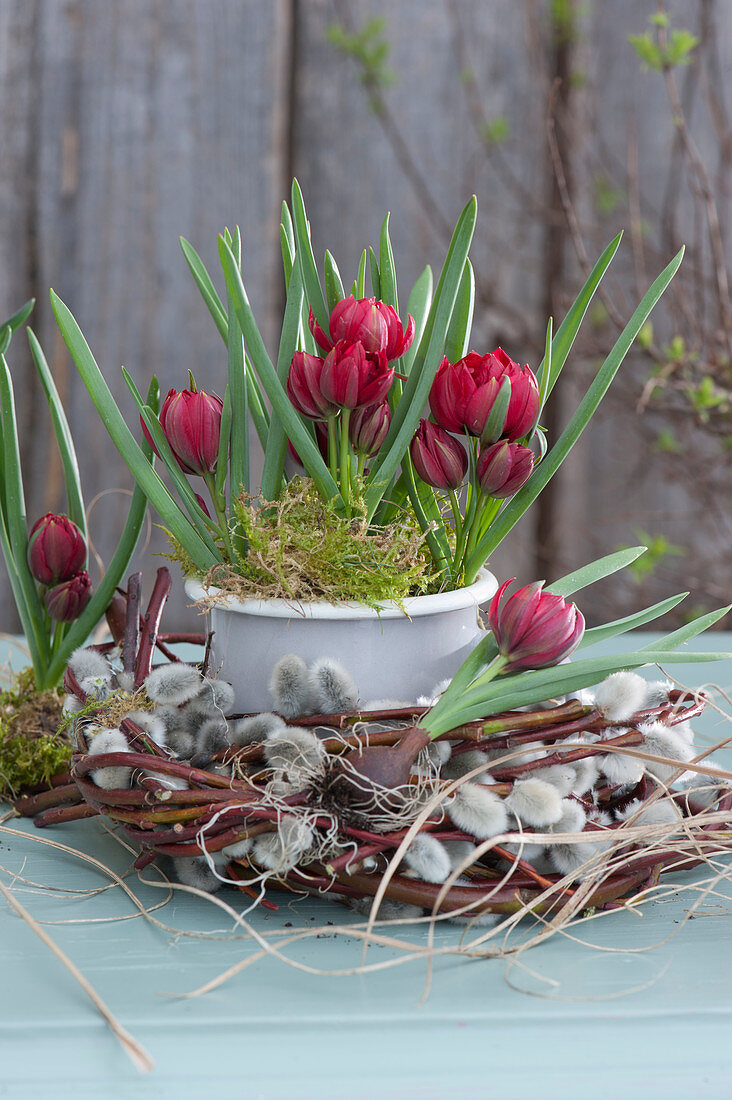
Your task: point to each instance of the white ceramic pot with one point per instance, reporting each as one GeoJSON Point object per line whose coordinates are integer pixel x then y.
{"type": "Point", "coordinates": [390, 654]}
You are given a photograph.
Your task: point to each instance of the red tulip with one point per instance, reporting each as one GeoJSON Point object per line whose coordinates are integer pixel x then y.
{"type": "Point", "coordinates": [503, 468]}
{"type": "Point", "coordinates": [350, 378]}
{"type": "Point", "coordinates": [56, 549]}
{"type": "Point", "coordinates": [438, 458]}
{"type": "Point", "coordinates": [191, 421]}
{"type": "Point", "coordinates": [463, 394]}
{"type": "Point", "coordinates": [367, 321]}
{"type": "Point", "coordinates": [368, 427]}
{"type": "Point", "coordinates": [533, 628]}
{"type": "Point", "coordinates": [353, 320]}
{"type": "Point", "coordinates": [303, 387]}
{"type": "Point", "coordinates": [66, 601]}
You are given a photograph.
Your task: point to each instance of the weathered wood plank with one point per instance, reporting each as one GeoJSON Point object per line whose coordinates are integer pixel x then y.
{"type": "Point", "coordinates": [353, 168]}
{"type": "Point", "coordinates": [128, 125]}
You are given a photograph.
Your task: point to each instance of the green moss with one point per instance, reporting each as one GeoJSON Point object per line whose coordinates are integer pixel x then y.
{"type": "Point", "coordinates": [300, 549]}
{"type": "Point", "coordinates": [31, 749]}
{"type": "Point", "coordinates": [30, 762]}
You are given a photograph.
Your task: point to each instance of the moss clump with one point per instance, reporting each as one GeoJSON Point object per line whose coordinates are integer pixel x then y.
{"type": "Point", "coordinates": [32, 750]}
{"type": "Point", "coordinates": [298, 548]}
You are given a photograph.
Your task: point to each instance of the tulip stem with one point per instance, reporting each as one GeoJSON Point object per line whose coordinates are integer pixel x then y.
{"type": "Point", "coordinates": [441, 560]}
{"type": "Point", "coordinates": [458, 519]}
{"type": "Point", "coordinates": [486, 511]}
{"type": "Point", "coordinates": [470, 508]}
{"type": "Point", "coordinates": [220, 509]}
{"type": "Point", "coordinates": [346, 460]}
{"type": "Point", "coordinates": [485, 518]}
{"type": "Point", "coordinates": [333, 447]}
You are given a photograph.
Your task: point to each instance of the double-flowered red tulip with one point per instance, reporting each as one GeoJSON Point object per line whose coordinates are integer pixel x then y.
{"type": "Point", "coordinates": [533, 628]}
{"type": "Point", "coordinates": [369, 322]}
{"type": "Point", "coordinates": [438, 457]}
{"type": "Point", "coordinates": [191, 420]}
{"type": "Point", "coordinates": [463, 395]}
{"type": "Point", "coordinates": [351, 379]}
{"type": "Point", "coordinates": [56, 549]}
{"type": "Point", "coordinates": [66, 601]}
{"type": "Point", "coordinates": [503, 468]}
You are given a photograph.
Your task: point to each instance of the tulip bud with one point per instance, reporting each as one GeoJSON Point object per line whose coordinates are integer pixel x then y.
{"type": "Point", "coordinates": [351, 379]}
{"type": "Point", "coordinates": [368, 427]}
{"type": "Point", "coordinates": [438, 458]}
{"type": "Point", "coordinates": [56, 549]}
{"type": "Point", "coordinates": [191, 421]}
{"type": "Point", "coordinates": [303, 387]}
{"type": "Point", "coordinates": [534, 629]}
{"type": "Point", "coordinates": [66, 601]}
{"type": "Point", "coordinates": [503, 468]}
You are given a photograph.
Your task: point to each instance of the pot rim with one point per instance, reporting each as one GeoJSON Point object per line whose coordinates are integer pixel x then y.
{"type": "Point", "coordinates": [413, 606]}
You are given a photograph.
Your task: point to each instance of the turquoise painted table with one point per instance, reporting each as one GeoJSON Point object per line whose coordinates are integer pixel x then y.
{"type": "Point", "coordinates": [649, 1017]}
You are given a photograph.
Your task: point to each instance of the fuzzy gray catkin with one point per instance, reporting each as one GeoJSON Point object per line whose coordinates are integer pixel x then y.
{"type": "Point", "coordinates": [428, 858]}
{"type": "Point", "coordinates": [290, 687]}
{"type": "Point", "coordinates": [173, 684]}
{"type": "Point", "coordinates": [212, 737]}
{"type": "Point", "coordinates": [535, 803]}
{"type": "Point", "coordinates": [258, 727]}
{"type": "Point", "coordinates": [114, 777]}
{"type": "Point", "coordinates": [332, 689]}
{"type": "Point", "coordinates": [478, 811]}
{"type": "Point", "coordinates": [621, 696]}
{"type": "Point", "coordinates": [87, 664]}
{"type": "Point", "coordinates": [218, 695]}
{"type": "Point", "coordinates": [293, 745]}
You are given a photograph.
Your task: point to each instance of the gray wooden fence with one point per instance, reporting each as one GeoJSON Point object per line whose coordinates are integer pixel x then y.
{"type": "Point", "coordinates": [127, 124]}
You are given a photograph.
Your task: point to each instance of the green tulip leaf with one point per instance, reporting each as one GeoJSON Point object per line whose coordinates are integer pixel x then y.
{"type": "Point", "coordinates": [461, 322]}
{"type": "Point", "coordinates": [359, 286]}
{"type": "Point", "coordinates": [64, 440]}
{"type": "Point", "coordinates": [375, 273]}
{"type": "Point", "coordinates": [13, 530]}
{"type": "Point", "coordinates": [387, 268]}
{"type": "Point", "coordinates": [139, 466]}
{"type": "Point", "coordinates": [596, 634]}
{"type": "Point", "coordinates": [428, 358]}
{"type": "Point", "coordinates": [528, 688]}
{"type": "Point", "coordinates": [333, 285]}
{"type": "Point", "coordinates": [304, 253]}
{"type": "Point", "coordinates": [526, 496]}
{"type": "Point", "coordinates": [294, 429]}
{"type": "Point", "coordinates": [257, 408]}
{"type": "Point", "coordinates": [420, 300]}
{"type": "Point", "coordinates": [80, 630]}
{"type": "Point", "coordinates": [276, 451]}
{"type": "Point", "coordinates": [570, 326]}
